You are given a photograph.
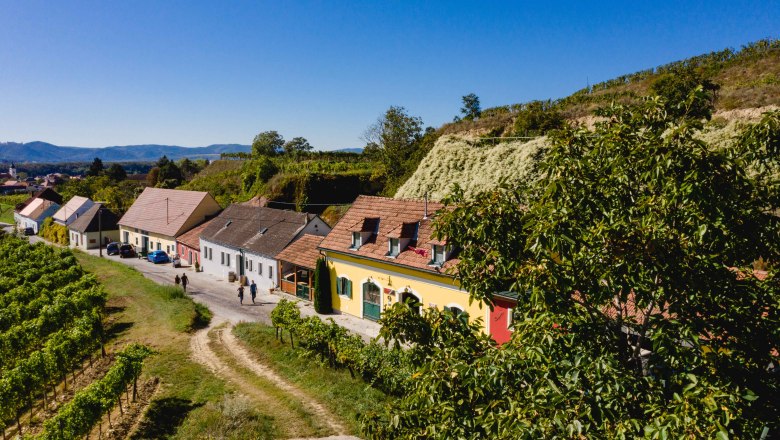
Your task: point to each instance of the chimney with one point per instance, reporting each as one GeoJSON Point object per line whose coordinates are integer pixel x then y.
{"type": "Point", "coordinates": [425, 216]}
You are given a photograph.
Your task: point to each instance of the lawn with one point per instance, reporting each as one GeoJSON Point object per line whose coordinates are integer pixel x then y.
{"type": "Point", "coordinates": [343, 395]}
{"type": "Point", "coordinates": [191, 402]}
{"type": "Point", "coordinates": [7, 204]}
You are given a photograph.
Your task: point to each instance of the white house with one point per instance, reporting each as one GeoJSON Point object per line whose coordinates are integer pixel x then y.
{"type": "Point", "coordinates": [33, 215]}
{"type": "Point", "coordinates": [245, 240]}
{"type": "Point", "coordinates": [72, 210]}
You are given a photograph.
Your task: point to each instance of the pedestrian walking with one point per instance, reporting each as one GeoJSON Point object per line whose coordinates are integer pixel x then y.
{"type": "Point", "coordinates": [253, 290]}
{"type": "Point", "coordinates": [241, 294]}
{"type": "Point", "coordinates": [184, 281]}
{"type": "Point", "coordinates": [177, 280]}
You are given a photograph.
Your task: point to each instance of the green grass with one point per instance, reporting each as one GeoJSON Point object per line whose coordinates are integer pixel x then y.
{"type": "Point", "coordinates": [7, 204]}
{"type": "Point", "coordinates": [162, 318]}
{"type": "Point", "coordinates": [343, 395]}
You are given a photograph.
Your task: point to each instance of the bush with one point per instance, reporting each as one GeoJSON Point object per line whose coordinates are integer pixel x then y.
{"type": "Point", "coordinates": [387, 369]}
{"type": "Point", "coordinates": [55, 232]}
{"type": "Point", "coordinates": [322, 298]}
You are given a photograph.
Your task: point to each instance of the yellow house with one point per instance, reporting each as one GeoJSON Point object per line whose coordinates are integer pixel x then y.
{"type": "Point", "coordinates": [382, 252]}
{"type": "Point", "coordinates": [160, 215]}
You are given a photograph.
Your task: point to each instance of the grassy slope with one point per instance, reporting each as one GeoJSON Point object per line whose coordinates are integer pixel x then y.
{"type": "Point", "coordinates": [7, 204]}
{"type": "Point", "coordinates": [345, 396]}
{"type": "Point", "coordinates": [145, 312]}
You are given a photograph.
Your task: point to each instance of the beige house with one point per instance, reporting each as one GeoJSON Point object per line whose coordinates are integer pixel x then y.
{"type": "Point", "coordinates": [72, 210]}
{"type": "Point", "coordinates": [160, 215]}
{"type": "Point", "coordinates": [96, 224]}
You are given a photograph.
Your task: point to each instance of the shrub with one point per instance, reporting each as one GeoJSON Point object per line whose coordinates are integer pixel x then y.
{"type": "Point", "coordinates": [322, 298]}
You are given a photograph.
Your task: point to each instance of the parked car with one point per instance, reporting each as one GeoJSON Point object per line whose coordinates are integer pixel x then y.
{"type": "Point", "coordinates": [158, 257]}
{"type": "Point", "coordinates": [29, 231]}
{"type": "Point", "coordinates": [126, 251]}
{"type": "Point", "coordinates": [113, 248]}
{"type": "Point", "coordinates": [175, 260]}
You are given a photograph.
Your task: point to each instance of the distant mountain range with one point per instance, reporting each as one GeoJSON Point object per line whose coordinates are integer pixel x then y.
{"type": "Point", "coordinates": [45, 152]}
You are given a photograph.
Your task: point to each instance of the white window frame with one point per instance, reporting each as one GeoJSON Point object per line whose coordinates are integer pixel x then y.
{"type": "Point", "coordinates": [390, 251]}
{"type": "Point", "coordinates": [357, 240]}
{"type": "Point", "coordinates": [434, 260]}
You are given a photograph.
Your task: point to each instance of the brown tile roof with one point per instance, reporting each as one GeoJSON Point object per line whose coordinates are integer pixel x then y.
{"type": "Point", "coordinates": [88, 222]}
{"type": "Point", "coordinates": [191, 238]}
{"type": "Point", "coordinates": [303, 251]}
{"type": "Point", "coordinates": [392, 215]}
{"type": "Point", "coordinates": [46, 194]}
{"type": "Point", "coordinates": [165, 211]}
{"type": "Point", "coordinates": [262, 230]}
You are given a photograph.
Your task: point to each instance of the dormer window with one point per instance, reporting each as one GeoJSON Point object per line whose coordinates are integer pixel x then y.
{"type": "Point", "coordinates": [356, 240]}
{"type": "Point", "coordinates": [394, 246]}
{"type": "Point", "coordinates": [439, 254]}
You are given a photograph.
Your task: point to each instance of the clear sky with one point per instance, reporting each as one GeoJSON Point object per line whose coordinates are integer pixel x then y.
{"type": "Point", "coordinates": [191, 73]}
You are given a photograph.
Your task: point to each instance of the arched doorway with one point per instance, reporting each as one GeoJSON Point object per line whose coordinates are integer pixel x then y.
{"type": "Point", "coordinates": [372, 298]}
{"type": "Point", "coordinates": [412, 300]}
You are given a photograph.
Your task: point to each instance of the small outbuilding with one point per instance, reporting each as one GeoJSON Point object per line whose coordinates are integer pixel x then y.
{"type": "Point", "coordinates": [96, 224]}
{"type": "Point", "coordinates": [297, 263]}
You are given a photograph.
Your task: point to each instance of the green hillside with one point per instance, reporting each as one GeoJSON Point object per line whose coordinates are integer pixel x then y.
{"type": "Point", "coordinates": [748, 78]}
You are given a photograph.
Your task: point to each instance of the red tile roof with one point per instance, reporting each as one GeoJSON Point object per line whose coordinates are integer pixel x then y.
{"type": "Point", "coordinates": [165, 211]}
{"type": "Point", "coordinates": [303, 251]}
{"type": "Point", "coordinates": [391, 215]}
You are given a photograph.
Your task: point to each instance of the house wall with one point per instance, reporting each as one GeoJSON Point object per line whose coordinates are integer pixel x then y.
{"type": "Point", "coordinates": [315, 227]}
{"type": "Point", "coordinates": [498, 323]}
{"type": "Point", "coordinates": [263, 269]}
{"type": "Point", "coordinates": [185, 251]}
{"type": "Point", "coordinates": [432, 290]}
{"type": "Point", "coordinates": [90, 240]}
{"type": "Point", "coordinates": [135, 237]}
{"type": "Point", "coordinates": [207, 207]}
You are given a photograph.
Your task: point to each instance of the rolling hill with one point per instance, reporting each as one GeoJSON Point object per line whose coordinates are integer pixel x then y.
{"type": "Point", "coordinates": [45, 152]}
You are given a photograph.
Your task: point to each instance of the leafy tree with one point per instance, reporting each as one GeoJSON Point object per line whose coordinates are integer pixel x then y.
{"type": "Point", "coordinates": [536, 118]}
{"type": "Point", "coordinates": [637, 314]}
{"type": "Point", "coordinates": [471, 109]}
{"type": "Point", "coordinates": [267, 143]}
{"type": "Point", "coordinates": [116, 173]}
{"type": "Point", "coordinates": [322, 295]}
{"type": "Point", "coordinates": [96, 168]}
{"type": "Point", "coordinates": [676, 87]}
{"type": "Point", "coordinates": [153, 177]}
{"type": "Point", "coordinates": [397, 136]}
{"type": "Point", "coordinates": [297, 145]}
{"type": "Point", "coordinates": [169, 174]}
{"type": "Point", "coordinates": [189, 168]}
{"type": "Point", "coordinates": [257, 171]}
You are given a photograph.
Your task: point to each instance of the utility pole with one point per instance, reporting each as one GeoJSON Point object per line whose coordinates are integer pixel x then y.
{"type": "Point", "coordinates": [100, 231]}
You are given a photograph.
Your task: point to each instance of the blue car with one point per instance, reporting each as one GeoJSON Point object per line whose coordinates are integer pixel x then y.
{"type": "Point", "coordinates": [158, 257]}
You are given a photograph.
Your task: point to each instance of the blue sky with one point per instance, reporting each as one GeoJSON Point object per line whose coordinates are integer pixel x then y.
{"type": "Point", "coordinates": [99, 73]}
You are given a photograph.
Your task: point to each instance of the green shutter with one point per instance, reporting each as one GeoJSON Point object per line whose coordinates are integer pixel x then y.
{"type": "Point", "coordinates": [338, 285]}
{"type": "Point", "coordinates": [349, 288]}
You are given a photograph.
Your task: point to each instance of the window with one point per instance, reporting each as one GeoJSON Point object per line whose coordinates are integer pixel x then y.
{"type": "Point", "coordinates": [395, 247]}
{"type": "Point", "coordinates": [136, 241]}
{"type": "Point", "coordinates": [344, 287]}
{"type": "Point", "coordinates": [270, 271]}
{"type": "Point", "coordinates": [249, 265]}
{"type": "Point", "coordinates": [260, 268]}
{"type": "Point", "coordinates": [227, 259]}
{"type": "Point", "coordinates": [456, 310]}
{"type": "Point", "coordinates": [222, 258]}
{"type": "Point", "coordinates": [356, 240]}
{"type": "Point", "coordinates": [510, 319]}
{"type": "Point", "coordinates": [438, 255]}
{"type": "Point", "coordinates": [159, 246]}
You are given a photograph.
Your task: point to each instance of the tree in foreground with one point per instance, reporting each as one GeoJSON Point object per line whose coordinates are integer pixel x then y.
{"type": "Point", "coordinates": [639, 314]}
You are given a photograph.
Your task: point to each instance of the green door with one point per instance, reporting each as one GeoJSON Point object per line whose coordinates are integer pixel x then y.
{"type": "Point", "coordinates": [302, 291]}
{"type": "Point", "coordinates": [371, 301]}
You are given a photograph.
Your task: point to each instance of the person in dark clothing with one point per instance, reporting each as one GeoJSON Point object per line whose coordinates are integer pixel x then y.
{"type": "Point", "coordinates": [177, 280]}
{"type": "Point", "coordinates": [184, 281]}
{"type": "Point", "coordinates": [241, 294]}
{"type": "Point", "coordinates": [253, 291]}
